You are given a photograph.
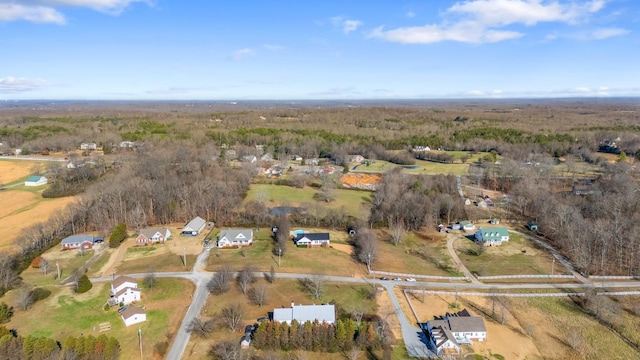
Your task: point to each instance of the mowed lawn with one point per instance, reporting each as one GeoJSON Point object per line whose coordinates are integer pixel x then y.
{"type": "Point", "coordinates": [352, 201]}
{"type": "Point", "coordinates": [346, 298]}
{"type": "Point", "coordinates": [519, 256]}
{"type": "Point", "coordinates": [64, 314]}
{"type": "Point", "coordinates": [157, 258]}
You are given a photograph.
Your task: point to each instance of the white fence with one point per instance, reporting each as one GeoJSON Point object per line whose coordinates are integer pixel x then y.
{"type": "Point", "coordinates": [433, 277]}
{"type": "Point", "coordinates": [524, 277]}
{"type": "Point", "coordinates": [611, 277]}
{"type": "Point", "coordinates": [489, 294]}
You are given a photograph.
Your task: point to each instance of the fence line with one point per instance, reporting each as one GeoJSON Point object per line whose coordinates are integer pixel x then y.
{"type": "Point", "coordinates": [612, 277]}
{"type": "Point", "coordinates": [465, 293]}
{"type": "Point", "coordinates": [524, 277]}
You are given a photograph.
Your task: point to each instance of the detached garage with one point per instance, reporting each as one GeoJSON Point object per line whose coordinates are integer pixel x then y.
{"type": "Point", "coordinates": [194, 227]}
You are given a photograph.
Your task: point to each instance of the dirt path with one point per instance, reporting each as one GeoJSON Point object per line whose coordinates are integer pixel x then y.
{"type": "Point", "coordinates": [116, 259]}
{"type": "Point", "coordinates": [456, 260]}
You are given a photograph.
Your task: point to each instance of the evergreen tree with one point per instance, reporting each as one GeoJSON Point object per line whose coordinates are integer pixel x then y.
{"type": "Point", "coordinates": [84, 284]}
{"type": "Point", "coordinates": [284, 337]}
{"type": "Point", "coordinates": [112, 349]}
{"type": "Point", "coordinates": [118, 235]}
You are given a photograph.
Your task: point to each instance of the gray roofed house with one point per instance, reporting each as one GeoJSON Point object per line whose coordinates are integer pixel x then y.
{"type": "Point", "coordinates": [84, 241]}
{"type": "Point", "coordinates": [303, 313]}
{"type": "Point", "coordinates": [441, 340]}
{"type": "Point", "coordinates": [133, 315]}
{"type": "Point", "coordinates": [194, 226]}
{"type": "Point", "coordinates": [314, 239]}
{"type": "Point", "coordinates": [464, 327]}
{"type": "Point", "coordinates": [235, 238]}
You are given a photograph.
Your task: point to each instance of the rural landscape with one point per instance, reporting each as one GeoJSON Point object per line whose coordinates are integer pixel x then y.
{"type": "Point", "coordinates": [486, 229]}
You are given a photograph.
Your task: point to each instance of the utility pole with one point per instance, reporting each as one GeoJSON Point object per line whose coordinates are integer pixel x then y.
{"type": "Point", "coordinates": [279, 255]}
{"type": "Point", "coordinates": [553, 265]}
{"type": "Point", "coordinates": [140, 339]}
{"type": "Point", "coordinates": [184, 256]}
{"type": "Point", "coordinates": [58, 266]}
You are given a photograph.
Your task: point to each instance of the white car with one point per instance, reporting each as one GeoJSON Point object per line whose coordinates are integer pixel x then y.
{"type": "Point", "coordinates": [411, 279]}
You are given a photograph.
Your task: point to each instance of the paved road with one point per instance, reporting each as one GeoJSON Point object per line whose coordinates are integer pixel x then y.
{"type": "Point", "coordinates": [32, 158]}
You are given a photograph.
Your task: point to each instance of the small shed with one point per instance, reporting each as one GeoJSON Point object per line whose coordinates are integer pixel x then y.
{"type": "Point", "coordinates": [532, 226]}
{"type": "Point", "coordinates": [133, 315]}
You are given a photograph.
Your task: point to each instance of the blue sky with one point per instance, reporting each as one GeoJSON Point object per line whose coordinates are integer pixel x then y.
{"type": "Point", "coordinates": [348, 49]}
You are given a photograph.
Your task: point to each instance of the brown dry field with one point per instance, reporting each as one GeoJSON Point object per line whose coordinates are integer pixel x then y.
{"type": "Point", "coordinates": [21, 209]}
{"type": "Point", "coordinates": [13, 170]}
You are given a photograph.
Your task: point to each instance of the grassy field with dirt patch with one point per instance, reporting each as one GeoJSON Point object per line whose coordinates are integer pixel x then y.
{"type": "Point", "coordinates": [64, 314]}
{"type": "Point", "coordinates": [519, 256]}
{"type": "Point", "coordinates": [352, 201]}
{"type": "Point", "coordinates": [14, 170]}
{"type": "Point", "coordinates": [346, 297]}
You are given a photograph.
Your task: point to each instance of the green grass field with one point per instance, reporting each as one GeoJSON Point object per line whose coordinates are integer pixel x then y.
{"type": "Point", "coordinates": [150, 261]}
{"type": "Point", "coordinates": [519, 256]}
{"type": "Point", "coordinates": [352, 201]}
{"type": "Point", "coordinates": [64, 314]}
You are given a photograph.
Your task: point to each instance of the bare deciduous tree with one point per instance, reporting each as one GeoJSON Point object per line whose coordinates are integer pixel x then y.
{"type": "Point", "coordinates": [219, 283]}
{"type": "Point", "coordinates": [315, 285]}
{"type": "Point", "coordinates": [245, 278]}
{"type": "Point", "coordinates": [150, 280]}
{"type": "Point", "coordinates": [366, 247]}
{"type": "Point", "coordinates": [396, 226]}
{"type": "Point", "coordinates": [201, 327]}
{"type": "Point", "coordinates": [45, 266]}
{"type": "Point", "coordinates": [227, 350]}
{"type": "Point", "coordinates": [25, 298]}
{"type": "Point", "coordinates": [231, 316]}
{"type": "Point", "coordinates": [258, 295]}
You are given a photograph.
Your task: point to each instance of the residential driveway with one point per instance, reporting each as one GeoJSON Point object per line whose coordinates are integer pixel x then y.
{"type": "Point", "coordinates": [456, 260]}
{"type": "Point", "coordinates": [413, 336]}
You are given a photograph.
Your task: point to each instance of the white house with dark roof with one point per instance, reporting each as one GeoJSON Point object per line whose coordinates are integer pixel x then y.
{"type": "Point", "coordinates": [235, 238]}
{"type": "Point", "coordinates": [303, 313]}
{"type": "Point", "coordinates": [35, 181]}
{"type": "Point", "coordinates": [312, 239]}
{"type": "Point", "coordinates": [194, 227]}
{"type": "Point", "coordinates": [124, 289]}
{"type": "Point", "coordinates": [153, 235]}
{"type": "Point", "coordinates": [446, 334]}
{"type": "Point", "coordinates": [80, 241]}
{"type": "Point", "coordinates": [133, 315]}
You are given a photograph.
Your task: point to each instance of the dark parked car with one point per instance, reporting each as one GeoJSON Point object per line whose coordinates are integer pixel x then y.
{"type": "Point", "coordinates": [248, 329]}
{"type": "Point", "coordinates": [384, 278]}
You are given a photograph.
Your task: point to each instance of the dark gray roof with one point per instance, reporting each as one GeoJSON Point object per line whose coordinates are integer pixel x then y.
{"type": "Point", "coordinates": [149, 232]}
{"type": "Point", "coordinates": [313, 236]}
{"type": "Point", "coordinates": [466, 324]}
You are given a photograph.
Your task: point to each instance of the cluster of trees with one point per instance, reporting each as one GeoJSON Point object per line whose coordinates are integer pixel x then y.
{"type": "Point", "coordinates": [415, 200]}
{"type": "Point", "coordinates": [321, 337]}
{"type": "Point", "coordinates": [13, 346]}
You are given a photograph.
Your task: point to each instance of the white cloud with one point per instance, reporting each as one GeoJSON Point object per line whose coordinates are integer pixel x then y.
{"type": "Point", "coordinates": [49, 11]}
{"type": "Point", "coordinates": [11, 85]}
{"type": "Point", "coordinates": [346, 25]}
{"type": "Point", "coordinates": [242, 53]}
{"type": "Point", "coordinates": [601, 34]}
{"type": "Point", "coordinates": [410, 14]}
{"type": "Point", "coordinates": [483, 21]}
{"type": "Point", "coordinates": [36, 14]}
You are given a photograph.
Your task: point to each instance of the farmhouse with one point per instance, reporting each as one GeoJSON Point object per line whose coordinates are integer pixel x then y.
{"type": "Point", "coordinates": [153, 235]}
{"type": "Point", "coordinates": [80, 241]}
{"type": "Point", "coordinates": [312, 240]}
{"type": "Point", "coordinates": [492, 236]}
{"type": "Point", "coordinates": [194, 227]}
{"type": "Point", "coordinates": [448, 333]}
{"type": "Point", "coordinates": [133, 315]}
{"type": "Point", "coordinates": [35, 181]}
{"type": "Point", "coordinates": [302, 313]}
{"type": "Point", "coordinates": [124, 289]}
{"type": "Point", "coordinates": [235, 238]}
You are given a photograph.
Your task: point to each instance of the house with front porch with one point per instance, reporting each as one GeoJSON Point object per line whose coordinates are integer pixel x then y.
{"type": "Point", "coordinates": [312, 240]}
{"type": "Point", "coordinates": [235, 238]}
{"type": "Point", "coordinates": [492, 236]}
{"type": "Point", "coordinates": [149, 236]}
